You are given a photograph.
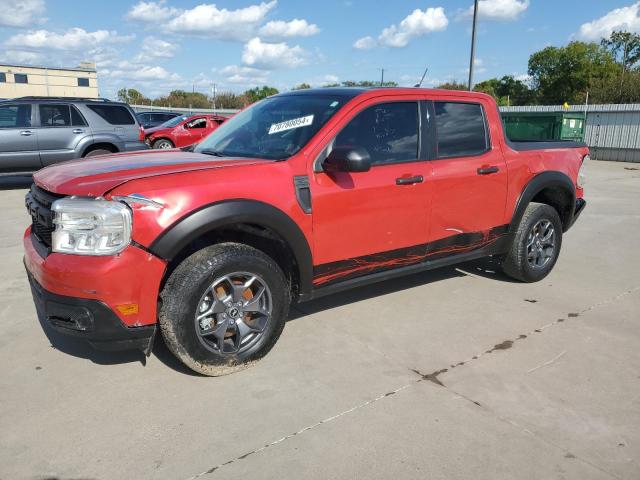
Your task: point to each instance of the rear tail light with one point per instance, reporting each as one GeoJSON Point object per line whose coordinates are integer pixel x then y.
{"type": "Point", "coordinates": [582, 173]}
{"type": "Point", "coordinates": [141, 136]}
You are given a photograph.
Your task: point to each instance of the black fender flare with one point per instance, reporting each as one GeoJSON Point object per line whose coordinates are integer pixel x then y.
{"type": "Point", "coordinates": [229, 212]}
{"type": "Point", "coordinates": [549, 179]}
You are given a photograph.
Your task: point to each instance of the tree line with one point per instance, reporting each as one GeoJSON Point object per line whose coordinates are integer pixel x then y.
{"type": "Point", "coordinates": [608, 72]}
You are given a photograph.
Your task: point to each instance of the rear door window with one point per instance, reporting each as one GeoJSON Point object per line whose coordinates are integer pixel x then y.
{"type": "Point", "coordinates": [113, 114]}
{"type": "Point", "coordinates": [388, 131]}
{"type": "Point", "coordinates": [52, 115]}
{"type": "Point", "coordinates": [461, 129]}
{"type": "Point", "coordinates": [15, 116]}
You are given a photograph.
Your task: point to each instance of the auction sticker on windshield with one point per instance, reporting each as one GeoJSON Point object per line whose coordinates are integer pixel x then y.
{"type": "Point", "coordinates": [289, 124]}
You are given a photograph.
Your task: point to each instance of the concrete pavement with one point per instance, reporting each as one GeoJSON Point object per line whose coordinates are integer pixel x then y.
{"type": "Point", "coordinates": [453, 374]}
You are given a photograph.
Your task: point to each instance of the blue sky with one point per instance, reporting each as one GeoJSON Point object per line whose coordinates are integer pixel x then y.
{"type": "Point", "coordinates": [157, 46]}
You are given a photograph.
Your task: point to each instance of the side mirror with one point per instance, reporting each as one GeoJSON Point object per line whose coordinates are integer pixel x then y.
{"type": "Point", "coordinates": [347, 159]}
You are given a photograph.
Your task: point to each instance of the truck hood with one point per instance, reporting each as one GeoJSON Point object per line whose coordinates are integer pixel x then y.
{"type": "Point", "coordinates": [159, 128]}
{"type": "Point", "coordinates": [96, 176]}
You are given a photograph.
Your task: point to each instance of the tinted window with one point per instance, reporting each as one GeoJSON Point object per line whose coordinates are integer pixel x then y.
{"type": "Point", "coordinates": [83, 82]}
{"type": "Point", "coordinates": [76, 118]}
{"type": "Point", "coordinates": [461, 129]}
{"type": "Point", "coordinates": [166, 116]}
{"type": "Point", "coordinates": [15, 116]}
{"type": "Point", "coordinates": [389, 132]}
{"type": "Point", "coordinates": [3, 77]}
{"type": "Point", "coordinates": [113, 114]}
{"type": "Point", "coordinates": [55, 115]}
{"type": "Point", "coordinates": [20, 78]}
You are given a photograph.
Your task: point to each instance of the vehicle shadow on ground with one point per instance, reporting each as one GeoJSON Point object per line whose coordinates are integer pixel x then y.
{"type": "Point", "coordinates": [15, 182]}
{"type": "Point", "coordinates": [488, 268]}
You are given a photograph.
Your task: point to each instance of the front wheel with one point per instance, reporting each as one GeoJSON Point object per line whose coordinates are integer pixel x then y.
{"type": "Point", "coordinates": [163, 144]}
{"type": "Point", "coordinates": [536, 244]}
{"type": "Point", "coordinates": [223, 308]}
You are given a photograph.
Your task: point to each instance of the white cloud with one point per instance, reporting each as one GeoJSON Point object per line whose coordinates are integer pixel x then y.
{"type": "Point", "coordinates": [331, 78]}
{"type": "Point", "coordinates": [365, 43]}
{"type": "Point", "coordinates": [241, 75]}
{"type": "Point", "coordinates": [294, 28]}
{"type": "Point", "coordinates": [272, 55]}
{"type": "Point", "coordinates": [21, 13]}
{"type": "Point", "coordinates": [624, 18]}
{"type": "Point", "coordinates": [207, 20]}
{"type": "Point", "coordinates": [72, 39]}
{"type": "Point", "coordinates": [21, 56]}
{"type": "Point", "coordinates": [151, 12]}
{"type": "Point", "coordinates": [131, 71]}
{"type": "Point", "coordinates": [153, 47]}
{"type": "Point", "coordinates": [417, 24]}
{"type": "Point", "coordinates": [497, 9]}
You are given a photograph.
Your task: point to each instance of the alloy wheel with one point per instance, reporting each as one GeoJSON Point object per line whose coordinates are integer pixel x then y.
{"type": "Point", "coordinates": [541, 243]}
{"type": "Point", "coordinates": [233, 313]}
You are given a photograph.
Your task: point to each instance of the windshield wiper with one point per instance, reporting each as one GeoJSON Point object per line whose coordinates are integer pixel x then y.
{"type": "Point", "coordinates": [214, 153]}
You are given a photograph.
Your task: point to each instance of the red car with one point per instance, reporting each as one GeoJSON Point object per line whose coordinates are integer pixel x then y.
{"type": "Point", "coordinates": [301, 195]}
{"type": "Point", "coordinates": [182, 131]}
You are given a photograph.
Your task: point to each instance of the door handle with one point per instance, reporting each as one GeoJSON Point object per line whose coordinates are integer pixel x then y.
{"type": "Point", "coordinates": [26, 133]}
{"type": "Point", "coordinates": [78, 130]}
{"type": "Point", "coordinates": [409, 180]}
{"type": "Point", "coordinates": [488, 170]}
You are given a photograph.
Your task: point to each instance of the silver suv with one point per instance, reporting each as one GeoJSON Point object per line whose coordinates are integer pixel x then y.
{"type": "Point", "coordinates": [38, 131]}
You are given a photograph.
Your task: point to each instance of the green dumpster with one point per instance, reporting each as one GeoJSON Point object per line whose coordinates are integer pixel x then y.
{"type": "Point", "coordinates": [536, 126]}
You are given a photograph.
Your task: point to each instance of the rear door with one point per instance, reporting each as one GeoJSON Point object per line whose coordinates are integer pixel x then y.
{"type": "Point", "coordinates": [61, 129]}
{"type": "Point", "coordinates": [469, 179]}
{"type": "Point", "coordinates": [18, 139]}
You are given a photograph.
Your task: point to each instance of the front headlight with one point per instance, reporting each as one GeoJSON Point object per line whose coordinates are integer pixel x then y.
{"type": "Point", "coordinates": [86, 226]}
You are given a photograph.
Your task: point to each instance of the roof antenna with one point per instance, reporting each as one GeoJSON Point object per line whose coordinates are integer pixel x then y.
{"type": "Point", "coordinates": [419, 84]}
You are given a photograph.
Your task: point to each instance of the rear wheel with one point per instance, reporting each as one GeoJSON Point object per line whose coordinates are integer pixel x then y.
{"type": "Point", "coordinates": [224, 308]}
{"type": "Point", "coordinates": [536, 245]}
{"type": "Point", "coordinates": [98, 151]}
{"type": "Point", "coordinates": [163, 144]}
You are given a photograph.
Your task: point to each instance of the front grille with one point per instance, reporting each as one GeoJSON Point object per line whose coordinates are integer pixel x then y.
{"type": "Point", "coordinates": [38, 203]}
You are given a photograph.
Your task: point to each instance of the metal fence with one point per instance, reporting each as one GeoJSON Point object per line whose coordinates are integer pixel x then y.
{"type": "Point", "coordinates": [186, 111]}
{"type": "Point", "coordinates": [612, 130]}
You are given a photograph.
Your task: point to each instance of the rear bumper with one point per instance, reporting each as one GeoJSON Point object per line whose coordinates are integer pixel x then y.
{"type": "Point", "coordinates": [580, 204]}
{"type": "Point", "coordinates": [89, 319]}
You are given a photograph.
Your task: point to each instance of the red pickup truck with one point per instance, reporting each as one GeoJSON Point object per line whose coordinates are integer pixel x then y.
{"type": "Point", "coordinates": [301, 195]}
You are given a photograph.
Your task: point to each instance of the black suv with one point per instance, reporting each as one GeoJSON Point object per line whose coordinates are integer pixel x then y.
{"type": "Point", "coordinates": [38, 131]}
{"type": "Point", "coordinates": [153, 119]}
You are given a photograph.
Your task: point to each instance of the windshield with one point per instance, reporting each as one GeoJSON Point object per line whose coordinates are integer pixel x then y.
{"type": "Point", "coordinates": [174, 121]}
{"type": "Point", "coordinates": [274, 128]}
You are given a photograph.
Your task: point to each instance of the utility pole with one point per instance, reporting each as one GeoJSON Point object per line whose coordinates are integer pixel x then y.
{"type": "Point", "coordinates": [473, 44]}
{"type": "Point", "coordinates": [382, 78]}
{"type": "Point", "coordinates": [213, 95]}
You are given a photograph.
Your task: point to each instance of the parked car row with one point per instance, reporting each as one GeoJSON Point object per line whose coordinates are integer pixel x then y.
{"type": "Point", "coordinates": [39, 131]}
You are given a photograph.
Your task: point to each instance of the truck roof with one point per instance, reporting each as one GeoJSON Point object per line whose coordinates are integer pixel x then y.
{"type": "Point", "coordinates": [352, 92]}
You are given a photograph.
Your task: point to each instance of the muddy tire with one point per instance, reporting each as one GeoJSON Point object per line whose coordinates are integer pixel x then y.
{"type": "Point", "coordinates": [223, 308]}
{"type": "Point", "coordinates": [536, 244]}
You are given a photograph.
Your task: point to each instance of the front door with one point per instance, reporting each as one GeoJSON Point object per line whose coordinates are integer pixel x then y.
{"type": "Point", "coordinates": [61, 129]}
{"type": "Point", "coordinates": [372, 221]}
{"type": "Point", "coordinates": [18, 140]}
{"type": "Point", "coordinates": [469, 180]}
{"type": "Point", "coordinates": [192, 132]}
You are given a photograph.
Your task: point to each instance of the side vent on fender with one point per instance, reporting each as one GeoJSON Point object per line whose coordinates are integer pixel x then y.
{"type": "Point", "coordinates": [303, 192]}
